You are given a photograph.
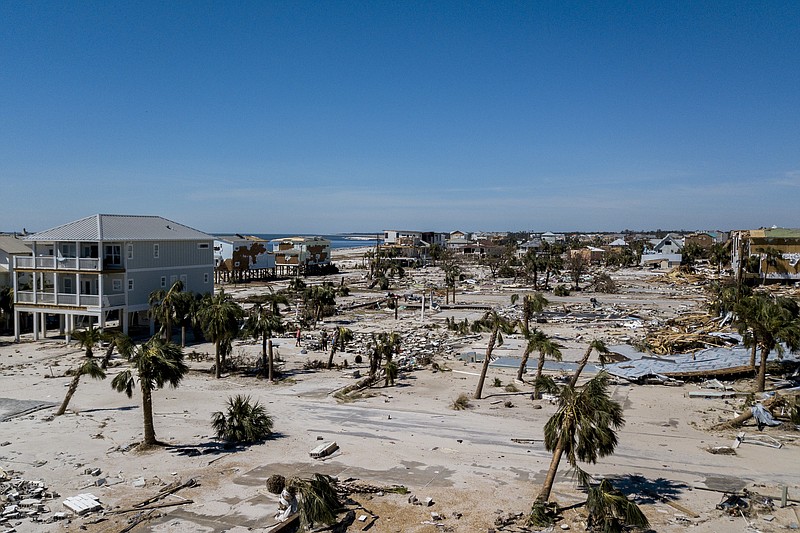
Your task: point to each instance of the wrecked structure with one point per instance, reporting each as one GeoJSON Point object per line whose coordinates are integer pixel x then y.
{"type": "Point", "coordinates": [766, 254]}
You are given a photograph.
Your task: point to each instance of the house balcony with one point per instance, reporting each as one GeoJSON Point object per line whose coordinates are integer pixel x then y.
{"type": "Point", "coordinates": [69, 299]}
{"type": "Point", "coordinates": [49, 262]}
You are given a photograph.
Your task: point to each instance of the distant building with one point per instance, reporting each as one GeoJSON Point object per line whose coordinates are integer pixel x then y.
{"type": "Point", "coordinates": [669, 245]}
{"type": "Point", "coordinates": [104, 267]}
{"type": "Point", "coordinates": [590, 254]}
{"type": "Point", "coordinates": [240, 257]}
{"type": "Point", "coordinates": [751, 253]}
{"type": "Point", "coordinates": [300, 255]}
{"type": "Point", "coordinates": [10, 247]}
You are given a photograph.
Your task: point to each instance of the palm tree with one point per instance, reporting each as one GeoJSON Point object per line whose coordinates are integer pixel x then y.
{"type": "Point", "coordinates": [243, 422]}
{"type": "Point", "coordinates": [88, 367]}
{"type": "Point", "coordinates": [496, 325]}
{"type": "Point", "coordinates": [157, 363]}
{"type": "Point", "coordinates": [532, 337]}
{"type": "Point", "coordinates": [163, 306]}
{"type": "Point", "coordinates": [263, 321]}
{"type": "Point", "coordinates": [6, 303]}
{"type": "Point", "coordinates": [319, 501]}
{"type": "Point", "coordinates": [601, 349]}
{"type": "Point", "coordinates": [609, 510]}
{"type": "Point", "coordinates": [220, 318]}
{"type": "Point", "coordinates": [341, 336]}
{"type": "Point", "coordinates": [546, 347]}
{"type": "Point", "coordinates": [184, 308]}
{"type": "Point", "coordinates": [773, 322]}
{"type": "Point", "coordinates": [720, 255]}
{"type": "Point", "coordinates": [118, 340]}
{"type": "Point", "coordinates": [771, 257]}
{"type": "Point", "coordinates": [532, 304]}
{"type": "Point", "coordinates": [584, 428]}
{"type": "Point", "coordinates": [88, 338]}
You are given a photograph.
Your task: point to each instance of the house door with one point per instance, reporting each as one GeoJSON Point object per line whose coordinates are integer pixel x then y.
{"type": "Point", "coordinates": [86, 286]}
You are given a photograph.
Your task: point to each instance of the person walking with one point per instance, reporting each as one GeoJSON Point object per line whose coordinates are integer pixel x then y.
{"type": "Point", "coordinates": [298, 335]}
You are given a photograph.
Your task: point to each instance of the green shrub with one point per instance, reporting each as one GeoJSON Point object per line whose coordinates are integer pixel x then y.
{"type": "Point", "coordinates": [244, 422]}
{"type": "Point", "coordinates": [561, 290]}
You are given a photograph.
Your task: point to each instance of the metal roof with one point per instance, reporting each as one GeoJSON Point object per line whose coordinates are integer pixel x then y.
{"type": "Point", "coordinates": [120, 228]}
{"type": "Point", "coordinates": [710, 361]}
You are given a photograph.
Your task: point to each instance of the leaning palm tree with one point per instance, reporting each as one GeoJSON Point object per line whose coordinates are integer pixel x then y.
{"type": "Point", "coordinates": [220, 317]}
{"type": "Point", "coordinates": [584, 428]}
{"type": "Point", "coordinates": [156, 363]}
{"type": "Point", "coordinates": [341, 336]}
{"type": "Point", "coordinates": [546, 347]}
{"type": "Point", "coordinates": [496, 325]}
{"type": "Point", "coordinates": [88, 367]}
{"type": "Point", "coordinates": [262, 321]}
{"type": "Point", "coordinates": [601, 349]}
{"type": "Point", "coordinates": [163, 306]}
{"type": "Point", "coordinates": [532, 337]}
{"type": "Point", "coordinates": [773, 322]}
{"type": "Point", "coordinates": [118, 340]}
{"type": "Point", "coordinates": [532, 304]}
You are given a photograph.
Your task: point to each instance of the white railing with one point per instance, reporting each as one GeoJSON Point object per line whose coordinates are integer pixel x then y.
{"type": "Point", "coordinates": [88, 263]}
{"type": "Point", "coordinates": [84, 300]}
{"type": "Point", "coordinates": [24, 297]}
{"type": "Point", "coordinates": [55, 263]}
{"type": "Point", "coordinates": [67, 299]}
{"type": "Point", "coordinates": [113, 300]}
{"type": "Point", "coordinates": [90, 300]}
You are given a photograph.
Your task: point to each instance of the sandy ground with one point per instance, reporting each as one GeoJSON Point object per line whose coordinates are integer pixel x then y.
{"type": "Point", "coordinates": [407, 435]}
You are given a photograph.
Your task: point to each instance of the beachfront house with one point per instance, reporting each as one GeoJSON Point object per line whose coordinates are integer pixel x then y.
{"type": "Point", "coordinates": [102, 268]}
{"type": "Point", "coordinates": [301, 255]}
{"type": "Point", "coordinates": [242, 257]}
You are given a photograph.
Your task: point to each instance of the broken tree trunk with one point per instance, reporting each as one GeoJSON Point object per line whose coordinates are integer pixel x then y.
{"type": "Point", "coordinates": [744, 417]}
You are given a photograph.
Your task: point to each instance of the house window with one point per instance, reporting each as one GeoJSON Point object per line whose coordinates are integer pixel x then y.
{"type": "Point", "coordinates": [113, 255]}
{"type": "Point", "coordinates": [130, 251]}
{"type": "Point", "coordinates": [205, 277]}
{"type": "Point", "coordinates": [202, 246]}
{"type": "Point", "coordinates": [130, 284]}
{"type": "Point", "coordinates": [163, 282]}
{"type": "Point", "coordinates": [155, 251]}
{"type": "Point", "coordinates": [184, 281]}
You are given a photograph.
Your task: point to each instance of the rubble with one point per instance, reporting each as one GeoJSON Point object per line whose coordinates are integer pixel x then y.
{"type": "Point", "coordinates": [21, 499]}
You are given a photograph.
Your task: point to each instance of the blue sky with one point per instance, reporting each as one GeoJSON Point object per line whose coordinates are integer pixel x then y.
{"type": "Point", "coordinates": [360, 116]}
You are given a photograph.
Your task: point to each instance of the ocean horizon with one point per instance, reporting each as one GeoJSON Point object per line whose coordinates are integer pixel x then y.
{"type": "Point", "coordinates": [338, 240]}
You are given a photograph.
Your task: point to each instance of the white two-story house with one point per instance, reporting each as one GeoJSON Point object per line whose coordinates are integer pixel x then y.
{"type": "Point", "coordinates": [104, 267]}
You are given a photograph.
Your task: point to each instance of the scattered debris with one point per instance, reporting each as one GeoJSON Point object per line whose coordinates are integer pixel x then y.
{"type": "Point", "coordinates": [721, 450]}
{"type": "Point", "coordinates": [761, 440]}
{"type": "Point", "coordinates": [83, 503]}
{"type": "Point", "coordinates": [323, 450]}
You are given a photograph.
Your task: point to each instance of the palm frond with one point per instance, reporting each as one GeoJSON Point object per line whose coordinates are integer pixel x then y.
{"type": "Point", "coordinates": [319, 501]}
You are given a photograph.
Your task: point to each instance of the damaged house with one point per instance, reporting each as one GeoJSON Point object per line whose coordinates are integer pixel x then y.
{"type": "Point", "coordinates": [768, 254]}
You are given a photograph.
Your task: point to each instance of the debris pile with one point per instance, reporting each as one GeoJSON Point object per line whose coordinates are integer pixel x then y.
{"type": "Point", "coordinates": [25, 499]}
{"type": "Point", "coordinates": [688, 333]}
{"type": "Point", "coordinates": [747, 503]}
